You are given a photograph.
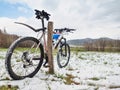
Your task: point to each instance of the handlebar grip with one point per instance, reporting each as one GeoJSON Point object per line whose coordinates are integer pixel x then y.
{"type": "Point", "coordinates": [64, 29]}
{"type": "Point", "coordinates": [45, 14]}
{"type": "Point", "coordinates": [41, 14]}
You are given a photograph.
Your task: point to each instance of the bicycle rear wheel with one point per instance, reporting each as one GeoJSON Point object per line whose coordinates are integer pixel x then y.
{"type": "Point", "coordinates": [63, 55]}
{"type": "Point", "coordinates": [24, 58]}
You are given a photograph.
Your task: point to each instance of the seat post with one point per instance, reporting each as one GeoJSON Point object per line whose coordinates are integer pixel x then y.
{"type": "Point", "coordinates": [43, 24]}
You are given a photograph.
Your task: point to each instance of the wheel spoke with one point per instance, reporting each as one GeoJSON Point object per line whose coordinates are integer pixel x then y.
{"type": "Point", "coordinates": [26, 59]}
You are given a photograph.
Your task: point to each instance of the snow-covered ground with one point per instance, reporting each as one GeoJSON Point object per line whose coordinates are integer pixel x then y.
{"type": "Point", "coordinates": [86, 71]}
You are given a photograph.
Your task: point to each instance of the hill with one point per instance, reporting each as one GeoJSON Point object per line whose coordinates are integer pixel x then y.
{"type": "Point", "coordinates": [81, 42]}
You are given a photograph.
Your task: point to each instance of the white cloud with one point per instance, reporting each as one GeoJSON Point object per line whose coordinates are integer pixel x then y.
{"type": "Point", "coordinates": [91, 18]}
{"type": "Point", "coordinates": [14, 28]}
{"type": "Point", "coordinates": [23, 9]}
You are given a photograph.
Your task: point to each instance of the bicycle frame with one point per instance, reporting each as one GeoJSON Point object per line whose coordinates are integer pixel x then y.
{"type": "Point", "coordinates": [43, 36]}
{"type": "Point", "coordinates": [42, 15]}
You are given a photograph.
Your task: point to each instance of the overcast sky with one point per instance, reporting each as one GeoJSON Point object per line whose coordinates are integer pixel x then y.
{"type": "Point", "coordinates": [90, 18]}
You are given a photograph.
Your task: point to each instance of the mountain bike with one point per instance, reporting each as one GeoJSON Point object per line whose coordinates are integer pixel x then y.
{"type": "Point", "coordinates": [25, 56]}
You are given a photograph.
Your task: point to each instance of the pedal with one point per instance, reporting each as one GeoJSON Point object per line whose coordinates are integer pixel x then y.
{"type": "Point", "coordinates": [46, 66]}
{"type": "Point", "coordinates": [46, 62]}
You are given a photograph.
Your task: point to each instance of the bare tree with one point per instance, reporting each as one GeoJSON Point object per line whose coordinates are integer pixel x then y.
{"type": "Point", "coordinates": [6, 39]}
{"type": "Point", "coordinates": [96, 45]}
{"type": "Point", "coordinates": [88, 46]}
{"type": "Point", "coordinates": [102, 44]}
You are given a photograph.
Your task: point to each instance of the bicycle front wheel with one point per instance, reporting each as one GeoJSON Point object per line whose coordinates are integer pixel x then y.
{"type": "Point", "coordinates": [63, 55]}
{"type": "Point", "coordinates": [24, 58]}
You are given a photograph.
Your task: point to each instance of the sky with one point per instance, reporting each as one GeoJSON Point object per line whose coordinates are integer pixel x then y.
{"type": "Point", "coordinates": [90, 18]}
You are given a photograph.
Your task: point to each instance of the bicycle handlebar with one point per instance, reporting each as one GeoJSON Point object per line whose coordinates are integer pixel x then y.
{"type": "Point", "coordinates": [64, 29]}
{"type": "Point", "coordinates": [42, 14]}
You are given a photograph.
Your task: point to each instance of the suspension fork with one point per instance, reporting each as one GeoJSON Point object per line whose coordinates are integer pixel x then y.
{"type": "Point", "coordinates": [65, 46]}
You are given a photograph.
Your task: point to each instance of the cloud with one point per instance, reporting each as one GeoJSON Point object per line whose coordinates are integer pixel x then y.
{"type": "Point", "coordinates": [50, 4]}
{"type": "Point", "coordinates": [106, 10]}
{"type": "Point", "coordinates": [91, 18]}
{"type": "Point", "coordinates": [14, 10]}
{"type": "Point", "coordinates": [13, 28]}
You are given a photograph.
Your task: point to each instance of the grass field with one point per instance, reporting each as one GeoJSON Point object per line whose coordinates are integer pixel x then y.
{"type": "Point", "coordinates": [86, 71]}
